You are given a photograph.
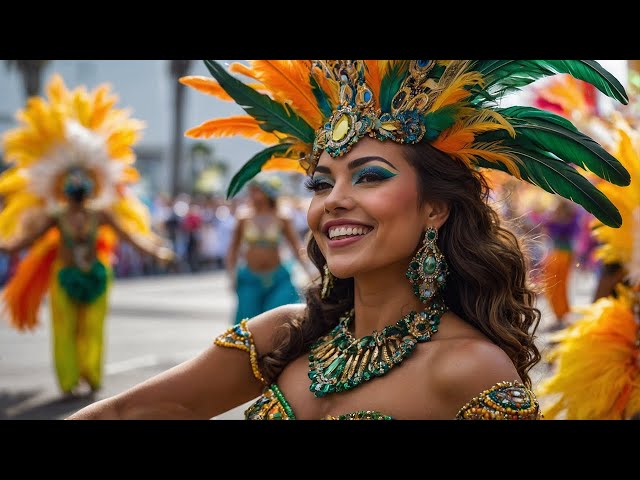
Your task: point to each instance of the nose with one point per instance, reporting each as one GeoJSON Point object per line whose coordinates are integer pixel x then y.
{"type": "Point", "coordinates": [339, 198]}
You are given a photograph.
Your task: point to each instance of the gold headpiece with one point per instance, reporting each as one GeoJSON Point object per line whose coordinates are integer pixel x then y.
{"type": "Point", "coordinates": [304, 107]}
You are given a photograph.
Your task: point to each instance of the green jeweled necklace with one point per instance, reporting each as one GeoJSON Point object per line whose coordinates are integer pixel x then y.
{"type": "Point", "coordinates": [339, 362]}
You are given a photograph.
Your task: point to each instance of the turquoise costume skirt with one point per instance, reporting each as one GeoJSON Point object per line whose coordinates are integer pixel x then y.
{"type": "Point", "coordinates": [262, 291]}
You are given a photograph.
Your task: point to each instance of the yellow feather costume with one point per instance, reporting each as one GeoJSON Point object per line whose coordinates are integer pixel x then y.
{"type": "Point", "coordinates": [597, 359]}
{"type": "Point", "coordinates": [67, 130]}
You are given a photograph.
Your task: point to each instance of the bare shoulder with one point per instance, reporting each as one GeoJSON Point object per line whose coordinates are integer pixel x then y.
{"type": "Point", "coordinates": [464, 368]}
{"type": "Point", "coordinates": [263, 327]}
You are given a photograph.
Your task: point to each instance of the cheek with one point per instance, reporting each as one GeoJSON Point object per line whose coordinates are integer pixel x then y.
{"type": "Point", "coordinates": [314, 215]}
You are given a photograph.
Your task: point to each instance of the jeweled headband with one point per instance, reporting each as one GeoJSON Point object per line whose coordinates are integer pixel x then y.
{"type": "Point", "coordinates": [304, 107]}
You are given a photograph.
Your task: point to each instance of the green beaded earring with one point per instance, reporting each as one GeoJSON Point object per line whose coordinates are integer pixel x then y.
{"type": "Point", "coordinates": [327, 282]}
{"type": "Point", "coordinates": [428, 269]}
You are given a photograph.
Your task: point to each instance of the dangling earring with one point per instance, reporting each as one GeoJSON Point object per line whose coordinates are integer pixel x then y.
{"type": "Point", "coordinates": [327, 283]}
{"type": "Point", "coordinates": [428, 269]}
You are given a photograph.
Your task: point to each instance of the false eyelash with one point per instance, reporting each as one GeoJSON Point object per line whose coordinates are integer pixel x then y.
{"type": "Point", "coordinates": [313, 184]}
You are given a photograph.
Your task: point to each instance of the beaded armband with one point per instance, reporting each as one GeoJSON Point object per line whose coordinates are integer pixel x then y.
{"type": "Point", "coordinates": [240, 337]}
{"type": "Point", "coordinates": [503, 401]}
{"type": "Point", "coordinates": [270, 406]}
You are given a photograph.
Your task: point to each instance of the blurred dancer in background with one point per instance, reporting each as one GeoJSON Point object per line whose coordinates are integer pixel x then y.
{"type": "Point", "coordinates": [261, 281]}
{"type": "Point", "coordinates": [67, 199]}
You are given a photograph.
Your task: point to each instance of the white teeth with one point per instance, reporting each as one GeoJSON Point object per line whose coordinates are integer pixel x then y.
{"type": "Point", "coordinates": [347, 231]}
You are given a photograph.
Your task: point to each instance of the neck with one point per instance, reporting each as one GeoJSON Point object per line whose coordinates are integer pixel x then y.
{"type": "Point", "coordinates": [382, 298]}
{"type": "Point", "coordinates": [76, 206]}
{"type": "Point", "coordinates": [263, 209]}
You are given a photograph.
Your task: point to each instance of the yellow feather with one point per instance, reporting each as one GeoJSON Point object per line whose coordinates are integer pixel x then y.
{"type": "Point", "coordinates": [244, 125]}
{"type": "Point", "coordinates": [455, 92]}
{"type": "Point", "coordinates": [102, 102]}
{"type": "Point", "coordinates": [56, 90]}
{"type": "Point", "coordinates": [288, 82]}
{"type": "Point", "coordinates": [81, 106]}
{"type": "Point", "coordinates": [132, 215]}
{"type": "Point", "coordinates": [14, 211]}
{"type": "Point", "coordinates": [617, 243]}
{"type": "Point", "coordinates": [12, 180]}
{"type": "Point", "coordinates": [596, 369]}
{"type": "Point", "coordinates": [129, 175]}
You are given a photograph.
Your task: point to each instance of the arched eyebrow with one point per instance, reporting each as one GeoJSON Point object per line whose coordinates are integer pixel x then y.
{"type": "Point", "coordinates": [358, 162]}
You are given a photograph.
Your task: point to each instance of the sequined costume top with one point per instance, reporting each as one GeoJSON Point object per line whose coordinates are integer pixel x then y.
{"type": "Point", "coordinates": [503, 401]}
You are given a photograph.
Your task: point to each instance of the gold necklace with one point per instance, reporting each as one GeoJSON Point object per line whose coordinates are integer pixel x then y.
{"type": "Point", "coordinates": [339, 362]}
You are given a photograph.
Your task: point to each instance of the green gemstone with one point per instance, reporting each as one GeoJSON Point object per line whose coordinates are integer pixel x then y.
{"type": "Point", "coordinates": [414, 265]}
{"type": "Point", "coordinates": [334, 367]}
{"type": "Point", "coordinates": [431, 234]}
{"type": "Point", "coordinates": [421, 327]}
{"type": "Point", "coordinates": [363, 342]}
{"type": "Point", "coordinates": [429, 265]}
{"type": "Point", "coordinates": [366, 375]}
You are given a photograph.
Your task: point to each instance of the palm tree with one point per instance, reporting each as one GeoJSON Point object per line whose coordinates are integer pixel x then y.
{"type": "Point", "coordinates": [177, 68]}
{"type": "Point", "coordinates": [31, 71]}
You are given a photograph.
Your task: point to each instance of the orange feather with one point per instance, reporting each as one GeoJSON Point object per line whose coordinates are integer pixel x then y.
{"type": "Point", "coordinates": [283, 164]}
{"type": "Point", "coordinates": [23, 294]}
{"type": "Point", "coordinates": [244, 125]}
{"type": "Point", "coordinates": [242, 69]}
{"type": "Point", "coordinates": [288, 82]}
{"type": "Point", "coordinates": [205, 85]}
{"type": "Point", "coordinates": [373, 77]}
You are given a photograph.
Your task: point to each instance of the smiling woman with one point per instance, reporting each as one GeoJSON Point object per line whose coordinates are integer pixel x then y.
{"type": "Point", "coordinates": [423, 310]}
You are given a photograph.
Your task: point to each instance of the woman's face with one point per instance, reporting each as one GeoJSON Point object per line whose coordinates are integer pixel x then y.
{"type": "Point", "coordinates": [364, 213]}
{"type": "Point", "coordinates": [258, 197]}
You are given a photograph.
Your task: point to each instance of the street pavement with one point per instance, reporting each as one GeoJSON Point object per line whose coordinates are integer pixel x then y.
{"type": "Point", "coordinates": [154, 323]}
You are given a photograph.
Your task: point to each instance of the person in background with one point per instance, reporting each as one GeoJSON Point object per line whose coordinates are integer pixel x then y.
{"type": "Point", "coordinates": [68, 201]}
{"type": "Point", "coordinates": [260, 280]}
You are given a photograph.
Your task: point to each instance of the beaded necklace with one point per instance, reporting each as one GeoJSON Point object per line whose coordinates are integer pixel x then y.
{"type": "Point", "coordinates": [339, 362]}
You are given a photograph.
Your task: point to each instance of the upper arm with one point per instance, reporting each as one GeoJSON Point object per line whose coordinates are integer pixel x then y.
{"type": "Point", "coordinates": [467, 369]}
{"type": "Point", "coordinates": [237, 235]}
{"type": "Point", "coordinates": [33, 228]}
{"type": "Point", "coordinates": [212, 383]}
{"type": "Point", "coordinates": [290, 234]}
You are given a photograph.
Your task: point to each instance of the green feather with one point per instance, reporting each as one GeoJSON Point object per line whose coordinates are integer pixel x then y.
{"type": "Point", "coordinates": [271, 115]}
{"type": "Point", "coordinates": [321, 98]}
{"type": "Point", "coordinates": [438, 121]}
{"type": "Point", "coordinates": [253, 167]}
{"type": "Point", "coordinates": [557, 177]}
{"type": "Point", "coordinates": [391, 82]}
{"type": "Point", "coordinates": [504, 76]}
{"type": "Point", "coordinates": [554, 134]}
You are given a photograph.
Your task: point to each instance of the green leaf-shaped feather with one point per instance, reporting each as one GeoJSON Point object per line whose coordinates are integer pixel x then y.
{"type": "Point", "coordinates": [503, 76]}
{"type": "Point", "coordinates": [321, 98]}
{"type": "Point", "coordinates": [557, 177]}
{"type": "Point", "coordinates": [253, 167]}
{"type": "Point", "coordinates": [552, 133]}
{"type": "Point", "coordinates": [271, 115]}
{"type": "Point", "coordinates": [391, 82]}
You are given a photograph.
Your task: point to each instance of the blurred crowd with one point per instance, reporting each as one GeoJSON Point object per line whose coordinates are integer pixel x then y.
{"type": "Point", "coordinates": [198, 228]}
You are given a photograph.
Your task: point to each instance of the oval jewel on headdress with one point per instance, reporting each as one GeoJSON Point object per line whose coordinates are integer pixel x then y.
{"type": "Point", "coordinates": [341, 128]}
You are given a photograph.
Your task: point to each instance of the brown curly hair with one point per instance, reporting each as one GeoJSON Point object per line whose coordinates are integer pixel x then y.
{"type": "Point", "coordinates": [487, 285]}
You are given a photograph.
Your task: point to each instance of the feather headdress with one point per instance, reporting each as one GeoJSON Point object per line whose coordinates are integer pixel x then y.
{"type": "Point", "coordinates": [311, 106]}
{"type": "Point", "coordinates": [66, 131]}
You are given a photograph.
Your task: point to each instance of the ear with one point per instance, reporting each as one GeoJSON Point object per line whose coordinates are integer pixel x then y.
{"type": "Point", "coordinates": [436, 213]}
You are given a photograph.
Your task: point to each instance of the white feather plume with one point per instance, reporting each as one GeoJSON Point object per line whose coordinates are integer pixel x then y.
{"type": "Point", "coordinates": [82, 148]}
